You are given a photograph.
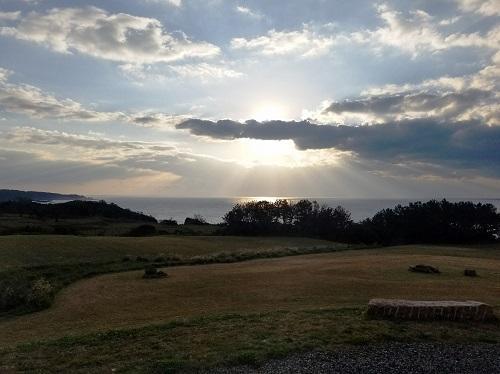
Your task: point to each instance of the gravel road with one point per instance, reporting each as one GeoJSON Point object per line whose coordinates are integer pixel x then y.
{"type": "Point", "coordinates": [386, 358]}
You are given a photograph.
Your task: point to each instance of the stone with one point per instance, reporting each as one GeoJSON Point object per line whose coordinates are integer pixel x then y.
{"type": "Point", "coordinates": [470, 273]}
{"type": "Point", "coordinates": [430, 310]}
{"type": "Point", "coordinates": [151, 272]}
{"type": "Point", "coordinates": [427, 269]}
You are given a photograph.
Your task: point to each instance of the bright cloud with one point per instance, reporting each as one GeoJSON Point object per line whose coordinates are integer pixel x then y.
{"type": "Point", "coordinates": [418, 32]}
{"type": "Point", "coordinates": [484, 7]}
{"type": "Point", "coordinates": [305, 43]}
{"type": "Point", "coordinates": [248, 12]}
{"type": "Point", "coordinates": [118, 37]}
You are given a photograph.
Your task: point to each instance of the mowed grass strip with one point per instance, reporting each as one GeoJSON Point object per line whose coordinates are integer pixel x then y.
{"type": "Point", "coordinates": [35, 250]}
{"type": "Point", "coordinates": [341, 279]}
{"type": "Point", "coordinates": [231, 339]}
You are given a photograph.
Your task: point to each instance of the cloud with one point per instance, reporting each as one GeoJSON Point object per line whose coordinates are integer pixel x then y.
{"type": "Point", "coordinates": [22, 169]}
{"type": "Point", "coordinates": [474, 96]}
{"type": "Point", "coordinates": [92, 164]}
{"type": "Point", "coordinates": [35, 136]}
{"type": "Point", "coordinates": [461, 145]}
{"type": "Point", "coordinates": [155, 120]}
{"type": "Point", "coordinates": [118, 37]}
{"type": "Point", "coordinates": [176, 3]}
{"type": "Point", "coordinates": [305, 43]}
{"type": "Point", "coordinates": [407, 105]}
{"type": "Point", "coordinates": [248, 12]}
{"type": "Point", "coordinates": [4, 74]}
{"type": "Point", "coordinates": [417, 32]}
{"type": "Point", "coordinates": [9, 16]}
{"type": "Point", "coordinates": [205, 71]}
{"type": "Point", "coordinates": [35, 103]}
{"type": "Point", "coordinates": [483, 7]}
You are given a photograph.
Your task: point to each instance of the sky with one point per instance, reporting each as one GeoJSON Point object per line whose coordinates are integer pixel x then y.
{"type": "Point", "coordinates": [215, 98]}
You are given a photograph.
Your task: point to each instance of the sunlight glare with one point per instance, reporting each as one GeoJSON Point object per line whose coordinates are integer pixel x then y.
{"type": "Point", "coordinates": [282, 153]}
{"type": "Point", "coordinates": [270, 111]}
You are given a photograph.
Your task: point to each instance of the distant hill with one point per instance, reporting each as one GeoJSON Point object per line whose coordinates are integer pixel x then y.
{"type": "Point", "coordinates": [11, 195]}
{"type": "Point", "coordinates": [72, 209]}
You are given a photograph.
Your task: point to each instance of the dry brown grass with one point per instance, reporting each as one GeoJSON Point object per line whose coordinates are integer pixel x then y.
{"type": "Point", "coordinates": [341, 279]}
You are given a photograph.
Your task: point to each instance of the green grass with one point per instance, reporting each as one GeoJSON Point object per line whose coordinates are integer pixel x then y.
{"type": "Point", "coordinates": [228, 339]}
{"type": "Point", "coordinates": [36, 250]}
{"type": "Point", "coordinates": [62, 260]}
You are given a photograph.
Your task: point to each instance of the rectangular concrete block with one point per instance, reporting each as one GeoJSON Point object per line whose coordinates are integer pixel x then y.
{"type": "Point", "coordinates": [430, 310]}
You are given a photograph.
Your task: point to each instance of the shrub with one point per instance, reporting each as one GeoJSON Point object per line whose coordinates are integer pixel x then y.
{"type": "Point", "coordinates": [9, 297]}
{"type": "Point", "coordinates": [196, 220]}
{"type": "Point", "coordinates": [41, 294]}
{"type": "Point", "coordinates": [169, 222]}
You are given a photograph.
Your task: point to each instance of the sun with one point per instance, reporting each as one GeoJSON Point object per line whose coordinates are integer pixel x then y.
{"type": "Point", "coordinates": [269, 111]}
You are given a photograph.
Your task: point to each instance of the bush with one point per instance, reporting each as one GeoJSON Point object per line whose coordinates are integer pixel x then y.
{"type": "Point", "coordinates": [169, 222]}
{"type": "Point", "coordinates": [41, 294]}
{"type": "Point", "coordinates": [196, 220]}
{"type": "Point", "coordinates": [17, 291]}
{"type": "Point", "coordinates": [9, 297]}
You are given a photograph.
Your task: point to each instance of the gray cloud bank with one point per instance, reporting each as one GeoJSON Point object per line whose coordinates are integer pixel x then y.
{"type": "Point", "coordinates": [449, 104]}
{"type": "Point", "coordinates": [462, 145]}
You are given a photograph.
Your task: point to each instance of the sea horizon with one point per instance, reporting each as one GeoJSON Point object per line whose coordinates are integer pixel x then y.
{"type": "Point", "coordinates": [214, 208]}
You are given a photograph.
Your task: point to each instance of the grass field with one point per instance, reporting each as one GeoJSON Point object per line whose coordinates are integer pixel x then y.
{"type": "Point", "coordinates": [342, 279]}
{"type": "Point", "coordinates": [33, 250]}
{"type": "Point", "coordinates": [233, 313]}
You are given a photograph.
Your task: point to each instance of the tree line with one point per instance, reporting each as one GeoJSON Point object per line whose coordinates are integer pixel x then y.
{"type": "Point", "coordinates": [429, 222]}
{"type": "Point", "coordinates": [72, 209]}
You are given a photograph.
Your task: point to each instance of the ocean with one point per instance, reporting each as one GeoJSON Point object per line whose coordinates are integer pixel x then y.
{"type": "Point", "coordinates": [213, 209]}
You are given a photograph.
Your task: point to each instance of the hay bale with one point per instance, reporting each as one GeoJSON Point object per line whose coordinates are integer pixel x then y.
{"type": "Point", "coordinates": [470, 273]}
{"type": "Point", "coordinates": [430, 310]}
{"type": "Point", "coordinates": [426, 269]}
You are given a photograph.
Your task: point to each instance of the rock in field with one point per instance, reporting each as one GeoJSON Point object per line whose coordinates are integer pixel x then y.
{"type": "Point", "coordinates": [470, 273]}
{"type": "Point", "coordinates": [427, 269]}
{"type": "Point", "coordinates": [152, 272]}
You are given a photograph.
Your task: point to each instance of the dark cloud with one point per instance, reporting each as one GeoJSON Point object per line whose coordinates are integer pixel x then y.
{"type": "Point", "coordinates": [462, 145]}
{"type": "Point", "coordinates": [446, 104]}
